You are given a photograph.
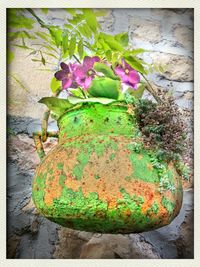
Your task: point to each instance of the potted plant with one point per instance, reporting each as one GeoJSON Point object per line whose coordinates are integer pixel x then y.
{"type": "Point", "coordinates": [117, 167]}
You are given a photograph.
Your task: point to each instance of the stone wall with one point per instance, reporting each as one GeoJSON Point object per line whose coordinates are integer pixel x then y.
{"type": "Point", "coordinates": [168, 34]}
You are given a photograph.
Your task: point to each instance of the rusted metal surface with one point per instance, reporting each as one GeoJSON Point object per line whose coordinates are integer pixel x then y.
{"type": "Point", "coordinates": [95, 179]}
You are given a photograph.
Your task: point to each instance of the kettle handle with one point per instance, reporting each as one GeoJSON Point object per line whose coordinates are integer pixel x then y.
{"type": "Point", "coordinates": [37, 137]}
{"type": "Point", "coordinates": [40, 137]}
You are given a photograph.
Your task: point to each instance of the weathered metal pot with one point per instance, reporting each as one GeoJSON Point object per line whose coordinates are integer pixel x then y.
{"type": "Point", "coordinates": [95, 179]}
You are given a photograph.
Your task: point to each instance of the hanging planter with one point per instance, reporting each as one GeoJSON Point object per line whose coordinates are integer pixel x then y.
{"type": "Point", "coordinates": [117, 167]}
{"type": "Point", "coordinates": [100, 178]}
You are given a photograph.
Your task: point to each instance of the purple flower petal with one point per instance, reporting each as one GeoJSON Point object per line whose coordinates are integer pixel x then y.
{"type": "Point", "coordinates": [73, 66]}
{"type": "Point", "coordinates": [80, 72]}
{"type": "Point", "coordinates": [61, 75]}
{"type": "Point", "coordinates": [96, 59]}
{"type": "Point", "coordinates": [88, 62]}
{"type": "Point", "coordinates": [133, 77]}
{"type": "Point", "coordinates": [87, 82]}
{"type": "Point", "coordinates": [66, 83]}
{"type": "Point", "coordinates": [64, 66]}
{"type": "Point", "coordinates": [119, 71]}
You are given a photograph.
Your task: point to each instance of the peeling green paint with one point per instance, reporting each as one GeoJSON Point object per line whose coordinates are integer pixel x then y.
{"type": "Point", "coordinates": [154, 208]}
{"type": "Point", "coordinates": [169, 205]}
{"type": "Point", "coordinates": [140, 168]}
{"type": "Point", "coordinates": [83, 159]}
{"type": "Point", "coordinates": [62, 179]}
{"type": "Point", "coordinates": [96, 176]}
{"type": "Point", "coordinates": [112, 156]}
{"type": "Point", "coordinates": [60, 166]}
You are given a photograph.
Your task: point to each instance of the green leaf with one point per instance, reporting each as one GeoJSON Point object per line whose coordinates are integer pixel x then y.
{"type": "Point", "coordinates": [55, 85]}
{"type": "Point", "coordinates": [43, 36]}
{"type": "Point", "coordinates": [24, 47]}
{"type": "Point", "coordinates": [85, 30]}
{"type": "Point", "coordinates": [45, 10]}
{"type": "Point", "coordinates": [109, 55]}
{"type": "Point", "coordinates": [137, 93]}
{"type": "Point", "coordinates": [103, 44]}
{"type": "Point", "coordinates": [91, 19]}
{"type": "Point", "coordinates": [110, 40]}
{"type": "Point", "coordinates": [101, 13]}
{"type": "Point", "coordinates": [20, 21]}
{"type": "Point", "coordinates": [10, 56]}
{"type": "Point", "coordinates": [65, 42]}
{"type": "Point", "coordinates": [43, 60]}
{"type": "Point", "coordinates": [80, 49]}
{"type": "Point", "coordinates": [71, 11]}
{"type": "Point", "coordinates": [105, 101]}
{"type": "Point", "coordinates": [49, 54]}
{"type": "Point", "coordinates": [58, 37]}
{"type": "Point", "coordinates": [106, 70]}
{"type": "Point", "coordinates": [138, 51]}
{"type": "Point", "coordinates": [76, 92]}
{"type": "Point", "coordinates": [105, 87]}
{"type": "Point", "coordinates": [122, 38]}
{"type": "Point", "coordinates": [57, 105]}
{"type": "Point", "coordinates": [135, 64]}
{"type": "Point", "coordinates": [72, 46]}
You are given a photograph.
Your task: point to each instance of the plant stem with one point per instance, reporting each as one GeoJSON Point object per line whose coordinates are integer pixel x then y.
{"type": "Point", "coordinates": [151, 90]}
{"type": "Point", "coordinates": [82, 91]}
{"type": "Point", "coordinates": [41, 22]}
{"type": "Point", "coordinates": [77, 59]}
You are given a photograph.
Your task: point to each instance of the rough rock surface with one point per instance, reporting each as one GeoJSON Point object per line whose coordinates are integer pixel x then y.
{"type": "Point", "coordinates": [168, 33]}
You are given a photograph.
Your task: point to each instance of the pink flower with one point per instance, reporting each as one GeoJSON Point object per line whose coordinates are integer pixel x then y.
{"type": "Point", "coordinates": [84, 74]}
{"type": "Point", "coordinates": [66, 75]}
{"type": "Point", "coordinates": [128, 75]}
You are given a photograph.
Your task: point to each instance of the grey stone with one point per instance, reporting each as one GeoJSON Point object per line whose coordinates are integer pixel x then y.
{"type": "Point", "coordinates": [140, 29]}
{"type": "Point", "coordinates": [179, 68]}
{"type": "Point", "coordinates": [107, 247]}
{"type": "Point", "coordinates": [184, 35]}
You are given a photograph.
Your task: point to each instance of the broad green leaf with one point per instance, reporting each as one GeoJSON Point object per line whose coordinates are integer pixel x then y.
{"type": "Point", "coordinates": [103, 44]}
{"type": "Point", "coordinates": [138, 93]}
{"type": "Point", "coordinates": [102, 100]}
{"type": "Point", "coordinates": [105, 87]}
{"type": "Point", "coordinates": [55, 85]}
{"type": "Point", "coordinates": [10, 56]}
{"type": "Point", "coordinates": [109, 55]}
{"type": "Point", "coordinates": [45, 10]}
{"type": "Point", "coordinates": [138, 51]}
{"type": "Point", "coordinates": [58, 37]}
{"type": "Point", "coordinates": [80, 49]}
{"type": "Point", "coordinates": [65, 42]}
{"type": "Point", "coordinates": [91, 19]}
{"type": "Point", "coordinates": [122, 38]}
{"type": "Point", "coordinates": [85, 30]}
{"type": "Point", "coordinates": [106, 70]}
{"type": "Point", "coordinates": [110, 40]}
{"type": "Point", "coordinates": [135, 64]}
{"type": "Point", "coordinates": [57, 105]}
{"type": "Point", "coordinates": [72, 46]}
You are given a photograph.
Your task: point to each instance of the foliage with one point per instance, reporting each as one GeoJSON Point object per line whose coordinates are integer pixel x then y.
{"type": "Point", "coordinates": [99, 67]}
